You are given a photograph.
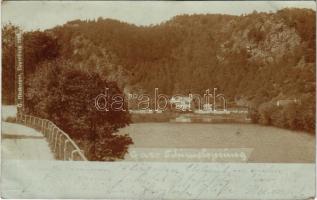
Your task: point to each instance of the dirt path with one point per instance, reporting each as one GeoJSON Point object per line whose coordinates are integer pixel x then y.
{"type": "Point", "coordinates": [23, 143]}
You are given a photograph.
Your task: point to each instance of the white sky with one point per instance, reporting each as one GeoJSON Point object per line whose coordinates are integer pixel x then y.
{"type": "Point", "coordinates": [32, 15]}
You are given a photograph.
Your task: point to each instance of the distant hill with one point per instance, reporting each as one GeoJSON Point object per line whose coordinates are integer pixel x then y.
{"type": "Point", "coordinates": [261, 54]}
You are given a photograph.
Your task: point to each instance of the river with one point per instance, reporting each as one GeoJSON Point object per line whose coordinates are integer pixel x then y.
{"type": "Point", "coordinates": [268, 144]}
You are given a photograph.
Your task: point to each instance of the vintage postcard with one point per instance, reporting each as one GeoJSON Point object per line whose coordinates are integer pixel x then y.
{"type": "Point", "coordinates": [158, 99]}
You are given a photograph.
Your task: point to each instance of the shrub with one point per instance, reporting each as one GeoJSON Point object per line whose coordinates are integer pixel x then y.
{"type": "Point", "coordinates": [11, 119]}
{"type": "Point", "coordinates": [254, 115]}
{"type": "Point", "coordinates": [292, 116]}
{"type": "Point", "coordinates": [265, 113]}
{"type": "Point", "coordinates": [66, 96]}
{"type": "Point", "coordinates": [278, 117]}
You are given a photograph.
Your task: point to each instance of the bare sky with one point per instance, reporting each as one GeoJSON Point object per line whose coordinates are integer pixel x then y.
{"type": "Point", "coordinates": [32, 15]}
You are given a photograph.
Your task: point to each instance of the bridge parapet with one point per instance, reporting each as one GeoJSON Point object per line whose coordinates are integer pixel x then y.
{"type": "Point", "coordinates": [63, 147]}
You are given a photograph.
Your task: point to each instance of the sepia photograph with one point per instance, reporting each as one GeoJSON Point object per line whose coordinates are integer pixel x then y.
{"type": "Point", "coordinates": [158, 99]}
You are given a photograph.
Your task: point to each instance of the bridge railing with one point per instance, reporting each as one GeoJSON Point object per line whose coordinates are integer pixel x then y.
{"type": "Point", "coordinates": [63, 147]}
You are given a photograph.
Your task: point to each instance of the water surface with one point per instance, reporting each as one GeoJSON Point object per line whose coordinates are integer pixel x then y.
{"type": "Point", "coordinates": [269, 144]}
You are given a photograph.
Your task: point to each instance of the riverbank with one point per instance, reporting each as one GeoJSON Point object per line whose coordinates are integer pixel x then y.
{"type": "Point", "coordinates": [190, 117]}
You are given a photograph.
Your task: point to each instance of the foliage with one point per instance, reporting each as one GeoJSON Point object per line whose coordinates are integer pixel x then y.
{"type": "Point", "coordinates": [66, 96]}
{"type": "Point", "coordinates": [37, 46]}
{"type": "Point", "coordinates": [295, 116]}
{"type": "Point", "coordinates": [8, 63]}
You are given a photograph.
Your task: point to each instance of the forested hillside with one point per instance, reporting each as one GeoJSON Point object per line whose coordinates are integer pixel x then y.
{"type": "Point", "coordinates": [253, 59]}
{"type": "Point", "coordinates": [190, 53]}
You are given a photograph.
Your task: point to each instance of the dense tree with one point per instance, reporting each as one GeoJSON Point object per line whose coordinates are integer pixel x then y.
{"type": "Point", "coordinates": [37, 47]}
{"type": "Point", "coordinates": [8, 63]}
{"type": "Point", "coordinates": [69, 101]}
